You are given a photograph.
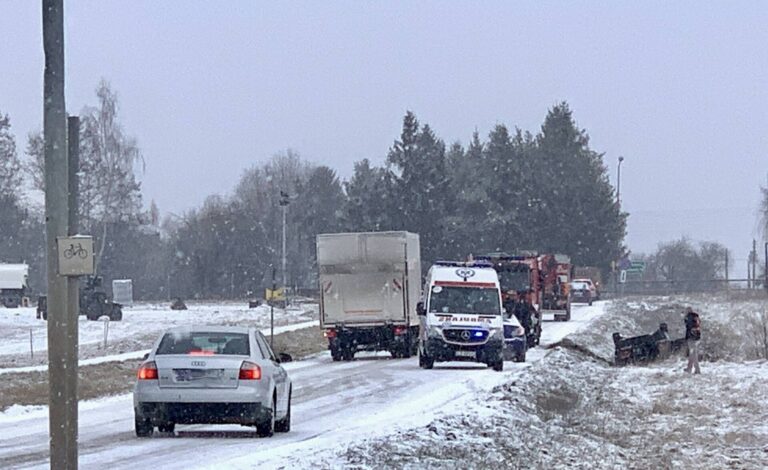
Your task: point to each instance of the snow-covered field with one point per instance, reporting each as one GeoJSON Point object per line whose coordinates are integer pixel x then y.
{"type": "Point", "coordinates": [141, 324]}
{"type": "Point", "coordinates": [335, 405]}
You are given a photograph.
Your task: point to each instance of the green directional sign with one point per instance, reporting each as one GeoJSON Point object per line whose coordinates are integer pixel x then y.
{"type": "Point", "coordinates": [637, 267]}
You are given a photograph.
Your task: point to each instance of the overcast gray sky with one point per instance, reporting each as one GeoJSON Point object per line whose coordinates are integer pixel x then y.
{"type": "Point", "coordinates": [209, 88]}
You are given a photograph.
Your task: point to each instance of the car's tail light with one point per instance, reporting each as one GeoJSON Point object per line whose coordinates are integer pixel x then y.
{"type": "Point", "coordinates": [148, 371]}
{"type": "Point", "coordinates": [250, 371]}
{"type": "Point", "coordinates": [400, 330]}
{"type": "Point", "coordinates": [330, 333]}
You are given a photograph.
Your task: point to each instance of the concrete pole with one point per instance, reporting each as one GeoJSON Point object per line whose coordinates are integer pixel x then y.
{"type": "Point", "coordinates": [73, 286]}
{"type": "Point", "coordinates": [63, 438]}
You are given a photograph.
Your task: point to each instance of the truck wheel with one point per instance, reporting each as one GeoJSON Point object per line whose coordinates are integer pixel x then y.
{"type": "Point", "coordinates": [96, 306]}
{"type": "Point", "coordinates": [347, 354]}
{"type": "Point", "coordinates": [167, 427]}
{"type": "Point", "coordinates": [406, 351]}
{"type": "Point", "coordinates": [426, 362]}
{"type": "Point", "coordinates": [335, 354]}
{"type": "Point", "coordinates": [116, 314]}
{"type": "Point", "coordinates": [498, 366]}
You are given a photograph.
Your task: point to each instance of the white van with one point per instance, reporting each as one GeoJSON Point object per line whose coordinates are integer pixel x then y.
{"type": "Point", "coordinates": [461, 316]}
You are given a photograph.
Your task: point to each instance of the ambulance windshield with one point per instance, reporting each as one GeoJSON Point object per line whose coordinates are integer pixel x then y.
{"type": "Point", "coordinates": [471, 300]}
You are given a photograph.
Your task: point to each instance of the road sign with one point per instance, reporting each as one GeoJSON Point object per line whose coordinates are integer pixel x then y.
{"type": "Point", "coordinates": [623, 276]}
{"type": "Point", "coordinates": [636, 267]}
{"type": "Point", "coordinates": [75, 255]}
{"type": "Point", "coordinates": [274, 294]}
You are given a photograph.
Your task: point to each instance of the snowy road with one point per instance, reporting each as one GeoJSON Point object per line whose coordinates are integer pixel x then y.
{"type": "Point", "coordinates": [334, 404]}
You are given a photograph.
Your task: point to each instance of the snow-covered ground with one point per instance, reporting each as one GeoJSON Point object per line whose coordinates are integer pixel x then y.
{"type": "Point", "coordinates": [575, 410]}
{"type": "Point", "coordinates": [336, 405]}
{"type": "Point", "coordinates": [141, 324]}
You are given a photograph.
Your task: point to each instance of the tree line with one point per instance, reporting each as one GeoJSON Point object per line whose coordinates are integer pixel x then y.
{"type": "Point", "coordinates": [508, 191]}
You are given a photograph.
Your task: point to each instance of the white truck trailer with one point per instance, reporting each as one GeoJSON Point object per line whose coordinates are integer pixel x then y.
{"type": "Point", "coordinates": [370, 284]}
{"type": "Point", "coordinates": [13, 283]}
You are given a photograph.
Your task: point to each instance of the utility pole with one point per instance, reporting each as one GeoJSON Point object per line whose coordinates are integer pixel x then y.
{"type": "Point", "coordinates": [62, 418]}
{"type": "Point", "coordinates": [284, 201]}
{"type": "Point", "coordinates": [765, 281]}
{"type": "Point", "coordinates": [727, 283]}
{"type": "Point", "coordinates": [272, 312]}
{"type": "Point", "coordinates": [754, 263]}
{"type": "Point", "coordinates": [73, 287]}
{"type": "Point", "coordinates": [618, 185]}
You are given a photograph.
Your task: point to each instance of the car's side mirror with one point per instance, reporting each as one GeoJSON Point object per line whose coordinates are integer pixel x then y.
{"type": "Point", "coordinates": [145, 357]}
{"type": "Point", "coordinates": [420, 310]}
{"type": "Point", "coordinates": [285, 357]}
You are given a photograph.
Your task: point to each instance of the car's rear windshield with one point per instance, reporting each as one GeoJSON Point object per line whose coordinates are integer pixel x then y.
{"type": "Point", "coordinates": [205, 344]}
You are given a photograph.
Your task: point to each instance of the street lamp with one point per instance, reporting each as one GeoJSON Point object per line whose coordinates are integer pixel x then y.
{"type": "Point", "coordinates": [618, 185]}
{"type": "Point", "coordinates": [285, 199]}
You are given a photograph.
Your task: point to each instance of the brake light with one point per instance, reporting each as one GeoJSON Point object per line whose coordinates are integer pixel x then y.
{"type": "Point", "coordinates": [330, 333]}
{"type": "Point", "coordinates": [148, 371]}
{"type": "Point", "coordinates": [250, 371]}
{"type": "Point", "coordinates": [400, 330]}
{"type": "Point", "coordinates": [201, 352]}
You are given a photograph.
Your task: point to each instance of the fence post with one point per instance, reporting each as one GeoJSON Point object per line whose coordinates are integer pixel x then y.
{"type": "Point", "coordinates": [106, 331]}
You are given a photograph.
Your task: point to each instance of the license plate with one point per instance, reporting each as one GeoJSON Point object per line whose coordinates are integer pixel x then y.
{"type": "Point", "coordinates": [465, 354]}
{"type": "Point", "coordinates": [186, 375]}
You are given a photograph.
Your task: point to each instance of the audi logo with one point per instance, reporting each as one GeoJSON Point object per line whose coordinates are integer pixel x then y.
{"type": "Point", "coordinates": [198, 363]}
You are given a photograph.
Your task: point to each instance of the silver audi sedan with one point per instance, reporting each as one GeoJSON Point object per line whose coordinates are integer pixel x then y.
{"type": "Point", "coordinates": [212, 375]}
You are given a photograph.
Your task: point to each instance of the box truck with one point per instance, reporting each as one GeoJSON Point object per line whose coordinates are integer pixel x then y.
{"type": "Point", "coordinates": [370, 284]}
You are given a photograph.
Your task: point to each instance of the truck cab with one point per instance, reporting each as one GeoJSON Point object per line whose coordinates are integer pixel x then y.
{"type": "Point", "coordinates": [13, 284]}
{"type": "Point", "coordinates": [461, 315]}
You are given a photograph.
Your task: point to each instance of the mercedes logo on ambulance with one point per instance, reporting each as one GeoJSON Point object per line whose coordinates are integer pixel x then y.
{"type": "Point", "coordinates": [465, 335]}
{"type": "Point", "coordinates": [465, 273]}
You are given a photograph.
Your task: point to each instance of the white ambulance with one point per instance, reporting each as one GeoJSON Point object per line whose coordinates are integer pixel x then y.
{"type": "Point", "coordinates": [461, 315]}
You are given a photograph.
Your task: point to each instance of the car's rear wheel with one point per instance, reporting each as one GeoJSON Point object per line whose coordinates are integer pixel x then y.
{"type": "Point", "coordinates": [266, 428]}
{"type": "Point", "coordinates": [167, 427]}
{"type": "Point", "coordinates": [498, 366]}
{"type": "Point", "coordinates": [284, 425]}
{"type": "Point", "coordinates": [143, 427]}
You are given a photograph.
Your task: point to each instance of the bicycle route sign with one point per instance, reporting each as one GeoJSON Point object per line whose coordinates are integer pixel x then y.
{"type": "Point", "coordinates": [75, 255]}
